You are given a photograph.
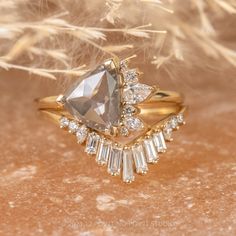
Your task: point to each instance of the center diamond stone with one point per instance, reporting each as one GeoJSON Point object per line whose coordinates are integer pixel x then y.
{"type": "Point", "coordinates": [96, 99]}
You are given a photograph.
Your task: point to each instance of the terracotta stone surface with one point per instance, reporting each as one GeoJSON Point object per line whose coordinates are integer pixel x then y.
{"type": "Point", "coordinates": [49, 187]}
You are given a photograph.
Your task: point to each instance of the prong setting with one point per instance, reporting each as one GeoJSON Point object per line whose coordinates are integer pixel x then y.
{"type": "Point", "coordinates": [61, 100]}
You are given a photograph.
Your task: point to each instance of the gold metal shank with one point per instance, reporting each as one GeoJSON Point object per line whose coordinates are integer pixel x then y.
{"type": "Point", "coordinates": [160, 103]}
{"type": "Point", "coordinates": [154, 111]}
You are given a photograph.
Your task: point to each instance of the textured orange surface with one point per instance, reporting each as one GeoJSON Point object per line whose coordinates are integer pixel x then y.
{"type": "Point", "coordinates": [49, 187]}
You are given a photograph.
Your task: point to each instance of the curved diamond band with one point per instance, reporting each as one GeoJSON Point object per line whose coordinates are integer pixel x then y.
{"type": "Point", "coordinates": [124, 123]}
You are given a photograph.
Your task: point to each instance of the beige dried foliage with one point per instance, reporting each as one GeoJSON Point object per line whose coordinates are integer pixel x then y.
{"type": "Point", "coordinates": [62, 37]}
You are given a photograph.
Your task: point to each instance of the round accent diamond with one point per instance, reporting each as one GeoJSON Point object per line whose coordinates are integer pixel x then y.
{"type": "Point", "coordinates": [180, 118]}
{"type": "Point", "coordinates": [133, 123]}
{"type": "Point", "coordinates": [131, 76]}
{"type": "Point", "coordinates": [73, 126]}
{"type": "Point", "coordinates": [173, 122]}
{"type": "Point", "coordinates": [124, 131]}
{"type": "Point", "coordinates": [167, 132]}
{"type": "Point", "coordinates": [81, 134]}
{"type": "Point", "coordinates": [64, 122]}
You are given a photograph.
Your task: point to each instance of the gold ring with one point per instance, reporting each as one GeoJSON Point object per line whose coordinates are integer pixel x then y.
{"type": "Point", "coordinates": [124, 123]}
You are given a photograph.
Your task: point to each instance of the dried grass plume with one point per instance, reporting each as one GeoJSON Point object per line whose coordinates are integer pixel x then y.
{"type": "Point", "coordinates": [52, 38]}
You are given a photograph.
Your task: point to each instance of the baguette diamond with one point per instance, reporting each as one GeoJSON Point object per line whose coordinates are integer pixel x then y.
{"type": "Point", "coordinates": [92, 143]}
{"type": "Point", "coordinates": [103, 152]}
{"type": "Point", "coordinates": [150, 150]}
{"type": "Point", "coordinates": [139, 159]}
{"type": "Point", "coordinates": [128, 172]}
{"type": "Point", "coordinates": [159, 141]}
{"type": "Point", "coordinates": [115, 160]}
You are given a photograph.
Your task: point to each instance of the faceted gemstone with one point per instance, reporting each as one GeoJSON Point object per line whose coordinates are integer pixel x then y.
{"type": "Point", "coordinates": [124, 131]}
{"type": "Point", "coordinates": [73, 126]}
{"type": "Point", "coordinates": [159, 141]}
{"type": "Point", "coordinates": [131, 76]}
{"type": "Point", "coordinates": [81, 133]}
{"type": "Point", "coordinates": [150, 150]}
{"type": "Point", "coordinates": [167, 132]}
{"type": "Point", "coordinates": [136, 93]}
{"type": "Point", "coordinates": [133, 123]}
{"type": "Point", "coordinates": [103, 152]}
{"type": "Point", "coordinates": [129, 110]}
{"type": "Point", "coordinates": [92, 143]}
{"type": "Point", "coordinates": [64, 122]}
{"type": "Point", "coordinates": [180, 118]}
{"type": "Point", "coordinates": [115, 160]}
{"type": "Point", "coordinates": [139, 159]}
{"type": "Point", "coordinates": [96, 99]}
{"type": "Point", "coordinates": [173, 122]}
{"type": "Point", "coordinates": [128, 172]}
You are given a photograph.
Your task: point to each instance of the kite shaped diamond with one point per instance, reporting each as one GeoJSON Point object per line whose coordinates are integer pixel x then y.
{"type": "Point", "coordinates": [96, 99]}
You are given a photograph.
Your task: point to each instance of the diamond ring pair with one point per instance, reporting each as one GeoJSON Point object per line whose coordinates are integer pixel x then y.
{"type": "Point", "coordinates": [125, 124]}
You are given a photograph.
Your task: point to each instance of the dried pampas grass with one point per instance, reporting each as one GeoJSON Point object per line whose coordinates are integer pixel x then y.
{"type": "Point", "coordinates": [64, 37]}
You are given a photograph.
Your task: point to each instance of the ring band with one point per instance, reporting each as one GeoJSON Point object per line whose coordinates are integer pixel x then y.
{"type": "Point", "coordinates": [161, 103]}
{"type": "Point", "coordinates": [124, 123]}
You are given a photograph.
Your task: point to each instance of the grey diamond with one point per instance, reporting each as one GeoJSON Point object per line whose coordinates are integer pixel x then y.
{"type": "Point", "coordinates": [96, 99]}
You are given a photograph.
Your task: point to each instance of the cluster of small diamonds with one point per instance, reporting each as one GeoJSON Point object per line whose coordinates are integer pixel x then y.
{"type": "Point", "coordinates": [134, 93]}
{"type": "Point", "coordinates": [80, 130]}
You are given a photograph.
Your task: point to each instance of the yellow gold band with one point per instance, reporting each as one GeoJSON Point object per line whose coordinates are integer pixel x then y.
{"type": "Point", "coordinates": [160, 103]}
{"type": "Point", "coordinates": [154, 111]}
